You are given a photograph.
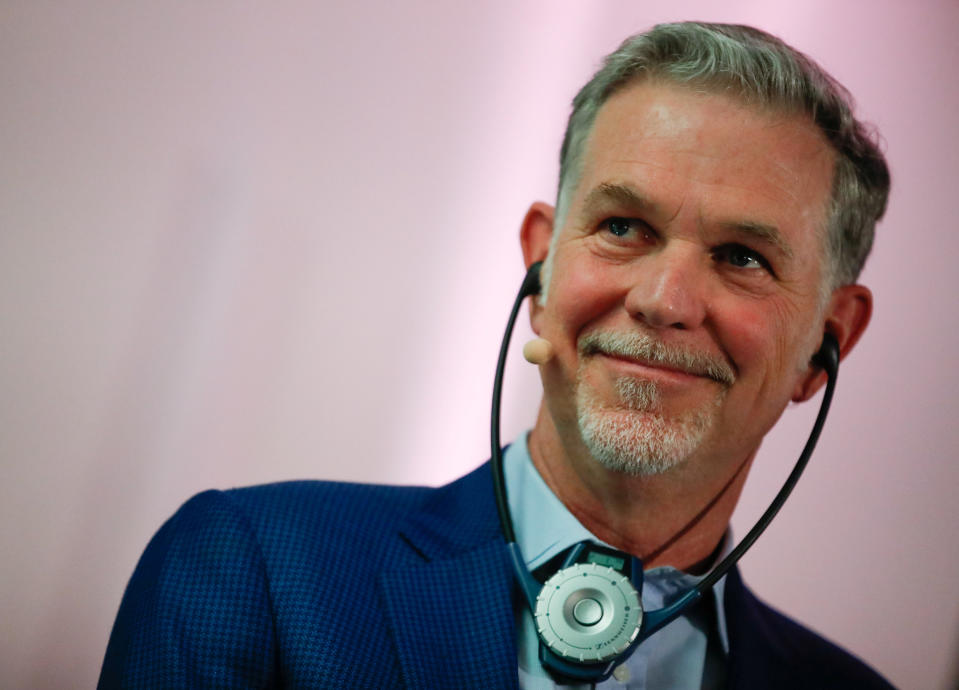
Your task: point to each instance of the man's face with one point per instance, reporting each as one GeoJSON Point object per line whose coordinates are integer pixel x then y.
{"type": "Point", "coordinates": [684, 297]}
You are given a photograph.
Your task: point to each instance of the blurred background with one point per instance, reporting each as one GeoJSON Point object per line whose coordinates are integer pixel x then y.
{"type": "Point", "coordinates": [243, 242]}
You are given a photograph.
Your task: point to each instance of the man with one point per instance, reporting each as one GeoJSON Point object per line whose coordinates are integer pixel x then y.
{"type": "Point", "coordinates": [717, 200]}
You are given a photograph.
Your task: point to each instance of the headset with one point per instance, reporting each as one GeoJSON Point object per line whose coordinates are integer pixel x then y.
{"type": "Point", "coordinates": [589, 614]}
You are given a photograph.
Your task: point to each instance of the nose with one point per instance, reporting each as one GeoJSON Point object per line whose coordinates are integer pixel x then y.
{"type": "Point", "coordinates": [668, 289]}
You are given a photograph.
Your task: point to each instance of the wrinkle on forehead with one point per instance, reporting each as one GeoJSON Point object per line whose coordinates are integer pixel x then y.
{"type": "Point", "coordinates": [785, 176]}
{"type": "Point", "coordinates": [798, 162]}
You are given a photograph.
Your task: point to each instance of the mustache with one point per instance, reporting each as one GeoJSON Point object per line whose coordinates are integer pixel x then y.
{"type": "Point", "coordinates": [645, 348]}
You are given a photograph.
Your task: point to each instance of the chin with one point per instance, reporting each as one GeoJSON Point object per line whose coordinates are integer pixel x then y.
{"type": "Point", "coordinates": [634, 437]}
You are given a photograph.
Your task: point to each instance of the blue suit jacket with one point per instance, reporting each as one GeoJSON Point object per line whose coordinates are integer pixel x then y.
{"type": "Point", "coordinates": [326, 585]}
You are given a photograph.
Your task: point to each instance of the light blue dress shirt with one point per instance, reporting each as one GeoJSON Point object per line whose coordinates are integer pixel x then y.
{"type": "Point", "coordinates": [689, 653]}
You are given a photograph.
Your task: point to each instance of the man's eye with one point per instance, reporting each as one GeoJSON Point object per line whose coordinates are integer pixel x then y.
{"type": "Point", "coordinates": [621, 227]}
{"type": "Point", "coordinates": [741, 257]}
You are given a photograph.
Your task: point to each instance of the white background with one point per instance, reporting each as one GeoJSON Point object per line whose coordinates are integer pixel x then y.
{"type": "Point", "coordinates": [246, 241]}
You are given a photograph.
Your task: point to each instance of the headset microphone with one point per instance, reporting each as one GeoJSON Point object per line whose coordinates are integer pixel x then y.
{"type": "Point", "coordinates": [538, 351]}
{"type": "Point", "coordinates": [589, 613]}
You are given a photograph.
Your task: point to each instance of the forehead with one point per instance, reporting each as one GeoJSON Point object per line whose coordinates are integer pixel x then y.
{"type": "Point", "coordinates": [731, 162]}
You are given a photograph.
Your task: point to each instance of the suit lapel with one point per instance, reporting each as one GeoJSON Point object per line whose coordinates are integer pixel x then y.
{"type": "Point", "coordinates": [452, 621]}
{"type": "Point", "coordinates": [451, 615]}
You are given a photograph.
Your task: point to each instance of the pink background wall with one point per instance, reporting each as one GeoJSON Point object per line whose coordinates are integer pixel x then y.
{"type": "Point", "coordinates": [243, 242]}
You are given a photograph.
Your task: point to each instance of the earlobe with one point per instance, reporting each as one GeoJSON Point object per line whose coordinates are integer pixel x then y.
{"type": "Point", "coordinates": [534, 236]}
{"type": "Point", "coordinates": [846, 318]}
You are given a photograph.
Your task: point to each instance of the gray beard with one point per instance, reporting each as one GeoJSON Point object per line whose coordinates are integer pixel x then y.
{"type": "Point", "coordinates": [634, 437]}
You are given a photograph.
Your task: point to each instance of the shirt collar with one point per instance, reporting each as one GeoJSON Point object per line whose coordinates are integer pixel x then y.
{"type": "Point", "coordinates": [544, 527]}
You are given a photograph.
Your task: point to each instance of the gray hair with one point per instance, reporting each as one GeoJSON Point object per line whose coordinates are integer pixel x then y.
{"type": "Point", "coordinates": [759, 69]}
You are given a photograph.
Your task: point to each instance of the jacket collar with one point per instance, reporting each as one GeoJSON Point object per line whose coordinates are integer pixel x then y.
{"type": "Point", "coordinates": [451, 615]}
{"type": "Point", "coordinates": [455, 518]}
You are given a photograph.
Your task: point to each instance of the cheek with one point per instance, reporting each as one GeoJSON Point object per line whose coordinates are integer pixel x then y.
{"type": "Point", "coordinates": [579, 295]}
{"type": "Point", "coordinates": [766, 345]}
{"type": "Point", "coordinates": [745, 335]}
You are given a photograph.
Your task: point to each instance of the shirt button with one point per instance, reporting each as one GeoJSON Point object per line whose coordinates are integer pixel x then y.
{"type": "Point", "coordinates": [621, 673]}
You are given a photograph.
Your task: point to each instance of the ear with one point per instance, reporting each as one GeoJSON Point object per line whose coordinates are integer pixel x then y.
{"type": "Point", "coordinates": [847, 316]}
{"type": "Point", "coordinates": [536, 232]}
{"type": "Point", "coordinates": [534, 237]}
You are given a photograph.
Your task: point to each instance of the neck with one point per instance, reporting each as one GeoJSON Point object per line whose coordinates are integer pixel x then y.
{"type": "Point", "coordinates": [675, 518]}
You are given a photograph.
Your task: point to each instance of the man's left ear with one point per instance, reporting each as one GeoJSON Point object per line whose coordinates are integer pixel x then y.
{"type": "Point", "coordinates": [534, 236]}
{"type": "Point", "coordinates": [847, 316]}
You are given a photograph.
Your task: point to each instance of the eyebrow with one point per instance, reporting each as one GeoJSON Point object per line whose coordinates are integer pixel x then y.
{"type": "Point", "coordinates": [768, 234]}
{"type": "Point", "coordinates": [621, 194]}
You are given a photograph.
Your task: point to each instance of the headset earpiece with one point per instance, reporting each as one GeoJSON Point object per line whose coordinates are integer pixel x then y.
{"type": "Point", "coordinates": [531, 284]}
{"type": "Point", "coordinates": [827, 358]}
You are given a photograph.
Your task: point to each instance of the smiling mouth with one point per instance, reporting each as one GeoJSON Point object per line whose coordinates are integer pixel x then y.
{"type": "Point", "coordinates": [646, 365]}
{"type": "Point", "coordinates": [643, 352]}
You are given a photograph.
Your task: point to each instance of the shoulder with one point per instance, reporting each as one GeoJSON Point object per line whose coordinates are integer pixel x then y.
{"type": "Point", "coordinates": [279, 521]}
{"type": "Point", "coordinates": [766, 644]}
{"type": "Point", "coordinates": [269, 574]}
{"type": "Point", "coordinates": [290, 521]}
{"type": "Point", "coordinates": [330, 505]}
{"type": "Point", "coordinates": [239, 536]}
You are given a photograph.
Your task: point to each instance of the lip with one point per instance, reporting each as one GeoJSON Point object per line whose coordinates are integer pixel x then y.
{"type": "Point", "coordinates": [649, 370]}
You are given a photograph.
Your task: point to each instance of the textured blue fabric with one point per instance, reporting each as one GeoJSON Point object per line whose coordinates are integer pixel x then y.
{"type": "Point", "coordinates": [326, 585]}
